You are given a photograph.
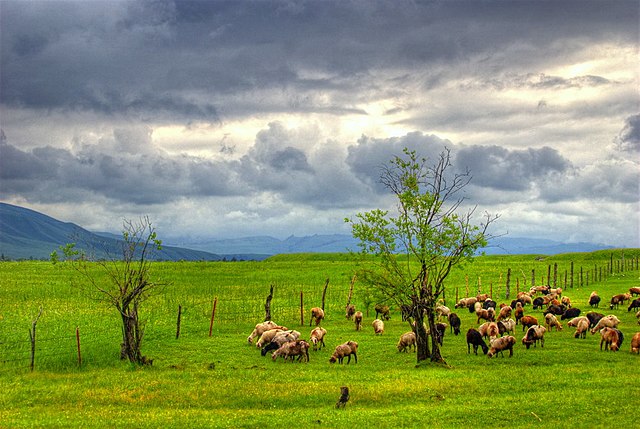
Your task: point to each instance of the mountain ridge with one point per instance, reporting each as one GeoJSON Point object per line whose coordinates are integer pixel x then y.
{"type": "Point", "coordinates": [28, 234]}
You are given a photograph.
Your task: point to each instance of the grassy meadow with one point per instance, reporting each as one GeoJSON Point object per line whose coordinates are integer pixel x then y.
{"type": "Point", "coordinates": [198, 380]}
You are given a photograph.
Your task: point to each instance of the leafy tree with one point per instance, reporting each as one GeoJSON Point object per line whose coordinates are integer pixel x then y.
{"type": "Point", "coordinates": [416, 249]}
{"type": "Point", "coordinates": [126, 282]}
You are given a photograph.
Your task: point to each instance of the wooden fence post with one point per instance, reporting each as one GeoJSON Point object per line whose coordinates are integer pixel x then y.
{"type": "Point", "coordinates": [32, 336]}
{"type": "Point", "coordinates": [324, 292]}
{"type": "Point", "coordinates": [178, 322]}
{"type": "Point", "coordinates": [267, 305]}
{"type": "Point", "coordinates": [213, 314]}
{"type": "Point", "coordinates": [508, 288]}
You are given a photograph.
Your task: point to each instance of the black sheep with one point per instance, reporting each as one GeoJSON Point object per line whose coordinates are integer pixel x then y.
{"type": "Point", "coordinates": [594, 318]}
{"type": "Point", "coordinates": [474, 338]}
{"type": "Point", "coordinates": [441, 328]}
{"type": "Point", "coordinates": [635, 304]}
{"type": "Point", "coordinates": [554, 309]}
{"type": "Point", "coordinates": [538, 303]}
{"type": "Point", "coordinates": [570, 313]}
{"type": "Point", "coordinates": [454, 321]}
{"type": "Point", "coordinates": [489, 303]}
{"type": "Point", "coordinates": [594, 301]}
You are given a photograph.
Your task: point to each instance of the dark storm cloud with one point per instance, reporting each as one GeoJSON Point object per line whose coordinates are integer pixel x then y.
{"type": "Point", "coordinates": [160, 59]}
{"type": "Point", "coordinates": [45, 174]}
{"type": "Point", "coordinates": [510, 170]}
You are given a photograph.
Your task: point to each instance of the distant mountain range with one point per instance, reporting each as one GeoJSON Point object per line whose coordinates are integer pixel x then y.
{"type": "Point", "coordinates": [27, 234]}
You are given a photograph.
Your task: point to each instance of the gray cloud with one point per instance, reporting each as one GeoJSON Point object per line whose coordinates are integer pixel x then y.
{"type": "Point", "coordinates": [629, 138]}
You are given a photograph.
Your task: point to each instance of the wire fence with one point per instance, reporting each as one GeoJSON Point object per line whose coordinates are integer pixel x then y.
{"type": "Point", "coordinates": [29, 346]}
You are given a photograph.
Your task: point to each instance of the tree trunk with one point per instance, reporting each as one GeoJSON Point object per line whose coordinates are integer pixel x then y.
{"type": "Point", "coordinates": [422, 338]}
{"type": "Point", "coordinates": [436, 356]}
{"type": "Point", "coordinates": [131, 336]}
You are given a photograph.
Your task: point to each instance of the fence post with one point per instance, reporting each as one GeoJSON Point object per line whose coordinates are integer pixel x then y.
{"type": "Point", "coordinates": [324, 292]}
{"type": "Point", "coordinates": [267, 305]}
{"type": "Point", "coordinates": [213, 314]}
{"type": "Point", "coordinates": [178, 323]}
{"type": "Point", "coordinates": [32, 336]}
{"type": "Point", "coordinates": [508, 283]}
{"type": "Point", "coordinates": [78, 344]}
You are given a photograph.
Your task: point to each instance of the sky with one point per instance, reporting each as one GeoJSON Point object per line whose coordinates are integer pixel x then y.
{"type": "Point", "coordinates": [222, 119]}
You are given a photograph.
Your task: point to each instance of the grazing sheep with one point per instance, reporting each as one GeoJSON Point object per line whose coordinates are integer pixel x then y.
{"type": "Point", "coordinates": [505, 313]}
{"type": "Point", "coordinates": [638, 317]}
{"type": "Point", "coordinates": [500, 345]}
{"type": "Point", "coordinates": [267, 336]}
{"type": "Point", "coordinates": [278, 340]}
{"type": "Point", "coordinates": [533, 335]}
{"type": "Point", "coordinates": [519, 312]}
{"type": "Point", "coordinates": [474, 338]}
{"type": "Point", "coordinates": [527, 322]}
{"type": "Point", "coordinates": [454, 322]}
{"type": "Point", "coordinates": [594, 299]}
{"type": "Point", "coordinates": [489, 303]}
{"type": "Point", "coordinates": [378, 327]}
{"type": "Point", "coordinates": [261, 328]}
{"type": "Point", "coordinates": [635, 304]}
{"type": "Point", "coordinates": [554, 309]}
{"type": "Point", "coordinates": [541, 289]}
{"type": "Point", "coordinates": [609, 337]}
{"type": "Point", "coordinates": [483, 329]}
{"type": "Point", "coordinates": [345, 350]}
{"type": "Point", "coordinates": [382, 310]}
{"type": "Point", "coordinates": [635, 343]}
{"type": "Point", "coordinates": [557, 291]}
{"type": "Point", "coordinates": [317, 314]}
{"type": "Point", "coordinates": [594, 318]}
{"type": "Point", "coordinates": [317, 337]}
{"type": "Point", "coordinates": [488, 315]}
{"type": "Point", "coordinates": [634, 291]}
{"type": "Point", "coordinates": [566, 301]}
{"type": "Point", "coordinates": [442, 311]}
{"type": "Point", "coordinates": [609, 321]}
{"type": "Point", "coordinates": [619, 299]}
{"type": "Point", "coordinates": [357, 319]}
{"type": "Point", "coordinates": [292, 349]}
{"type": "Point", "coordinates": [482, 297]}
{"type": "Point", "coordinates": [350, 311]}
{"type": "Point", "coordinates": [551, 321]}
{"type": "Point", "coordinates": [492, 330]}
{"type": "Point", "coordinates": [582, 326]}
{"type": "Point", "coordinates": [524, 297]}
{"type": "Point", "coordinates": [507, 326]}
{"type": "Point", "coordinates": [407, 340]}
{"type": "Point", "coordinates": [570, 313]}
{"type": "Point", "coordinates": [538, 303]}
{"type": "Point", "coordinates": [466, 303]}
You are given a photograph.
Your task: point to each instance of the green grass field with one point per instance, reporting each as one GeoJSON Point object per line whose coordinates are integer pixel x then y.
{"type": "Point", "coordinates": [220, 381]}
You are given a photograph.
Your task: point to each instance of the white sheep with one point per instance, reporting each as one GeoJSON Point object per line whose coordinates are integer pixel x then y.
{"type": "Point", "coordinates": [442, 311]}
{"type": "Point", "coordinates": [609, 321]}
{"type": "Point", "coordinates": [262, 328]}
{"type": "Point", "coordinates": [551, 321]}
{"type": "Point", "coordinates": [407, 340]}
{"type": "Point", "coordinates": [317, 337]}
{"type": "Point", "coordinates": [267, 336]}
{"type": "Point", "coordinates": [291, 349]}
{"type": "Point", "coordinates": [378, 327]}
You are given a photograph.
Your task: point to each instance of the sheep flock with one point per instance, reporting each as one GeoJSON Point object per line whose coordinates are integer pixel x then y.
{"type": "Point", "coordinates": [494, 330]}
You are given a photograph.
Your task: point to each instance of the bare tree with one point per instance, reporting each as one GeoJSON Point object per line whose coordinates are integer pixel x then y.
{"type": "Point", "coordinates": [128, 280]}
{"type": "Point", "coordinates": [416, 249]}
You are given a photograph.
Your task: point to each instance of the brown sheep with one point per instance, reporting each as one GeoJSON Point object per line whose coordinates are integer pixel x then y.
{"type": "Point", "coordinates": [466, 303]}
{"type": "Point", "coordinates": [488, 315]}
{"type": "Point", "coordinates": [505, 313]}
{"type": "Point", "coordinates": [378, 327]}
{"type": "Point", "coordinates": [350, 311]}
{"type": "Point", "coordinates": [581, 324]}
{"type": "Point", "coordinates": [500, 345]}
{"type": "Point", "coordinates": [533, 335]}
{"type": "Point", "coordinates": [527, 322]}
{"type": "Point", "coordinates": [634, 291]}
{"type": "Point", "coordinates": [519, 312]}
{"type": "Point", "coordinates": [317, 314]}
{"type": "Point", "coordinates": [345, 350]}
{"type": "Point", "coordinates": [317, 337]}
{"type": "Point", "coordinates": [292, 349]}
{"type": "Point", "coordinates": [492, 330]}
{"type": "Point", "coordinates": [382, 310]}
{"type": "Point", "coordinates": [357, 319]}
{"type": "Point", "coordinates": [551, 321]}
{"type": "Point", "coordinates": [609, 337]}
{"type": "Point", "coordinates": [566, 301]}
{"type": "Point", "coordinates": [635, 343]}
{"type": "Point", "coordinates": [407, 340]}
